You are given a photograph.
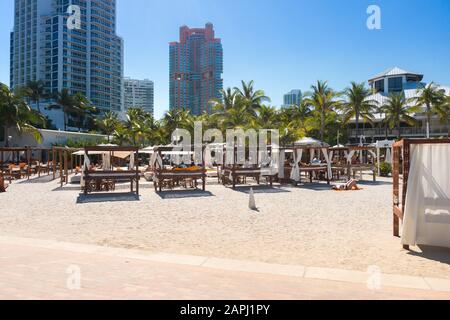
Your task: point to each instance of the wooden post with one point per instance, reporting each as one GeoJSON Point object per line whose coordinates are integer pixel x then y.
{"type": "Point", "coordinates": [54, 162]}
{"type": "Point", "coordinates": [60, 167]}
{"type": "Point", "coordinates": [28, 155]}
{"type": "Point", "coordinates": [86, 173]}
{"type": "Point", "coordinates": [66, 169]}
{"type": "Point", "coordinates": [1, 163]}
{"type": "Point", "coordinates": [137, 171]}
{"type": "Point", "coordinates": [203, 170]}
{"type": "Point", "coordinates": [396, 191]}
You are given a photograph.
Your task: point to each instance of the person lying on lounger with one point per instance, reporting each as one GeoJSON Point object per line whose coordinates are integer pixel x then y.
{"type": "Point", "coordinates": [350, 185]}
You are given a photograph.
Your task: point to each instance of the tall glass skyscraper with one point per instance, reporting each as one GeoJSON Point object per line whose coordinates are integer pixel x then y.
{"type": "Point", "coordinates": [88, 59]}
{"type": "Point", "coordinates": [196, 67]}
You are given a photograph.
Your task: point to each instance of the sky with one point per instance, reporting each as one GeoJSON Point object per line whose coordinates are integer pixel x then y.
{"type": "Point", "coordinates": [281, 45]}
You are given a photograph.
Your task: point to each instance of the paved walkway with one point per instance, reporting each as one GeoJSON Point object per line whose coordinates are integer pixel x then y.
{"type": "Point", "coordinates": [37, 269]}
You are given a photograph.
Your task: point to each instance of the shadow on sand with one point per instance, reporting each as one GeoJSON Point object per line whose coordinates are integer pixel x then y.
{"type": "Point", "coordinates": [261, 189]}
{"type": "Point", "coordinates": [314, 186]}
{"type": "Point", "coordinates": [36, 179]}
{"type": "Point", "coordinates": [182, 194]}
{"type": "Point", "coordinates": [107, 197]}
{"type": "Point", "coordinates": [374, 183]}
{"type": "Point", "coordinates": [441, 255]}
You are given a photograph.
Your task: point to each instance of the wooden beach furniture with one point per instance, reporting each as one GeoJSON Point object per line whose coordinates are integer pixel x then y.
{"type": "Point", "coordinates": [105, 179]}
{"type": "Point", "coordinates": [3, 184]}
{"type": "Point", "coordinates": [350, 160]}
{"type": "Point", "coordinates": [232, 173]}
{"type": "Point", "coordinates": [168, 176]}
{"type": "Point", "coordinates": [311, 159]}
{"type": "Point", "coordinates": [21, 162]}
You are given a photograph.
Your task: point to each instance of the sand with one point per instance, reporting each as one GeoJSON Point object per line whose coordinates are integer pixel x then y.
{"type": "Point", "coordinates": [309, 225]}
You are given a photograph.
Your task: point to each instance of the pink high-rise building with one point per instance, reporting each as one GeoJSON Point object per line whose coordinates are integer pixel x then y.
{"type": "Point", "coordinates": [196, 67]}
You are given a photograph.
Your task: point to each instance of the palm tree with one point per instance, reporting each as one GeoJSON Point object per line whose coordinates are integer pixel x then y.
{"type": "Point", "coordinates": [358, 104]}
{"type": "Point", "coordinates": [120, 135]}
{"type": "Point", "coordinates": [268, 118]}
{"type": "Point", "coordinates": [16, 113]}
{"type": "Point", "coordinates": [228, 101]}
{"type": "Point", "coordinates": [35, 91]}
{"type": "Point", "coordinates": [397, 110]}
{"type": "Point", "coordinates": [252, 99]}
{"type": "Point", "coordinates": [84, 109]}
{"type": "Point", "coordinates": [323, 101]}
{"type": "Point", "coordinates": [67, 103]}
{"type": "Point", "coordinates": [430, 96]}
{"type": "Point", "coordinates": [176, 119]}
{"type": "Point", "coordinates": [108, 123]}
{"type": "Point", "coordinates": [237, 117]}
{"type": "Point", "coordinates": [443, 112]}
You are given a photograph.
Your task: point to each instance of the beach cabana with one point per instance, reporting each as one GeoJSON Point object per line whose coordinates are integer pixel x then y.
{"type": "Point", "coordinates": [63, 162]}
{"type": "Point", "coordinates": [234, 173]}
{"type": "Point", "coordinates": [353, 159]}
{"type": "Point", "coordinates": [168, 174]}
{"type": "Point", "coordinates": [422, 201]}
{"type": "Point", "coordinates": [312, 158]}
{"type": "Point", "coordinates": [18, 162]}
{"type": "Point", "coordinates": [105, 177]}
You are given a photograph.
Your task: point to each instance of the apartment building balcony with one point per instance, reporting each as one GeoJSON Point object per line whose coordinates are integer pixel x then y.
{"type": "Point", "coordinates": [405, 132]}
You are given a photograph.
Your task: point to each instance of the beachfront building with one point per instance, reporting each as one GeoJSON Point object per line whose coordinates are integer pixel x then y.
{"type": "Point", "coordinates": [196, 67]}
{"type": "Point", "coordinates": [397, 80]}
{"type": "Point", "coordinates": [139, 94]}
{"type": "Point", "coordinates": [294, 97]}
{"type": "Point", "coordinates": [86, 58]}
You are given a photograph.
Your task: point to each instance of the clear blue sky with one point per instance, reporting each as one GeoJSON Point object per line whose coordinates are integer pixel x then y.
{"type": "Point", "coordinates": [282, 45]}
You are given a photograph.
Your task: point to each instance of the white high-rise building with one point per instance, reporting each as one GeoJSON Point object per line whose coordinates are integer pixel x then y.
{"type": "Point", "coordinates": [139, 94]}
{"type": "Point", "coordinates": [87, 59]}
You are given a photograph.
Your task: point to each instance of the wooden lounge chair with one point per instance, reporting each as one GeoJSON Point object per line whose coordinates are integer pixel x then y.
{"type": "Point", "coordinates": [3, 185]}
{"type": "Point", "coordinates": [350, 185]}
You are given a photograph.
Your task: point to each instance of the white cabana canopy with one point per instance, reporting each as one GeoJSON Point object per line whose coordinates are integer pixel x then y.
{"type": "Point", "coordinates": [311, 143]}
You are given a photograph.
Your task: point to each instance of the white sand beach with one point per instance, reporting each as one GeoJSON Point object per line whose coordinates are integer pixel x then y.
{"type": "Point", "coordinates": [308, 225]}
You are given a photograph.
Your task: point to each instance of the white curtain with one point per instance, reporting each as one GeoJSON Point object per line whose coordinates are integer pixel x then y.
{"type": "Point", "coordinates": [312, 154]}
{"type": "Point", "coordinates": [132, 161]}
{"type": "Point", "coordinates": [281, 160]}
{"type": "Point", "coordinates": [295, 172]}
{"type": "Point", "coordinates": [208, 158]}
{"type": "Point", "coordinates": [87, 163]}
{"type": "Point", "coordinates": [388, 156]}
{"type": "Point", "coordinates": [106, 161]}
{"type": "Point", "coordinates": [427, 210]}
{"type": "Point", "coordinates": [327, 159]}
{"type": "Point", "coordinates": [349, 155]}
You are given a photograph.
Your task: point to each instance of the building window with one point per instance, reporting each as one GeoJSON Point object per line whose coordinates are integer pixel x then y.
{"type": "Point", "coordinates": [395, 84]}
{"type": "Point", "coordinates": [379, 86]}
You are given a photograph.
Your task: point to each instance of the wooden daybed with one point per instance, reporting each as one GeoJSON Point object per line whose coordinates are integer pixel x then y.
{"type": "Point", "coordinates": [350, 167]}
{"type": "Point", "coordinates": [17, 168]}
{"type": "Point", "coordinates": [309, 147]}
{"type": "Point", "coordinates": [105, 180]}
{"type": "Point", "coordinates": [234, 174]}
{"type": "Point", "coordinates": [169, 178]}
